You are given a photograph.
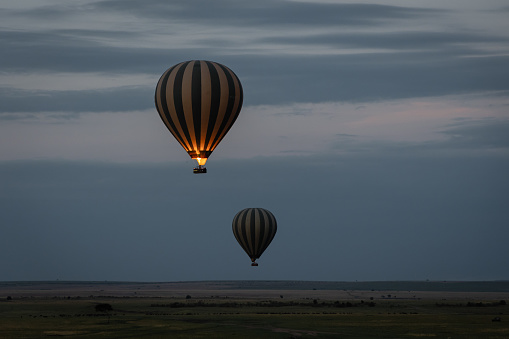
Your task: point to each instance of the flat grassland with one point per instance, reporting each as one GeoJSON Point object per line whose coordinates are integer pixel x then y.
{"type": "Point", "coordinates": [254, 309]}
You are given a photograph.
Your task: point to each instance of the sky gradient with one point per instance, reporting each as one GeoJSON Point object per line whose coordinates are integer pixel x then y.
{"type": "Point", "coordinates": [376, 132]}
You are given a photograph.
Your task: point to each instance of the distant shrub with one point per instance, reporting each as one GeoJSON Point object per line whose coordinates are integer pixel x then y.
{"type": "Point", "coordinates": [103, 307]}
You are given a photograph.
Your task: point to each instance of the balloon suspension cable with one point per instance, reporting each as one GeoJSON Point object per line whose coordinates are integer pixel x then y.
{"type": "Point", "coordinates": [254, 263]}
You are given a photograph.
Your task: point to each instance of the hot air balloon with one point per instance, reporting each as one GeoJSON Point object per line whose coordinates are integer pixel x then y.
{"type": "Point", "coordinates": [254, 229]}
{"type": "Point", "coordinates": [198, 102]}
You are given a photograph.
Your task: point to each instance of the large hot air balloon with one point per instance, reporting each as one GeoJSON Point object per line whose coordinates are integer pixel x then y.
{"type": "Point", "coordinates": [198, 102]}
{"type": "Point", "coordinates": [254, 229]}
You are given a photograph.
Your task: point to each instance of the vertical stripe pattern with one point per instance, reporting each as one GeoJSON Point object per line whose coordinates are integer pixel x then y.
{"type": "Point", "coordinates": [254, 229]}
{"type": "Point", "coordinates": [198, 102]}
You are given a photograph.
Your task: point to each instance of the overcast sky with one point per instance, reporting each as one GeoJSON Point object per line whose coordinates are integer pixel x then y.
{"type": "Point", "coordinates": [376, 132]}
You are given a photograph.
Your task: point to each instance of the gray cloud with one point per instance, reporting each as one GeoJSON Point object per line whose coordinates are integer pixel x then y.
{"type": "Point", "coordinates": [72, 51]}
{"type": "Point", "coordinates": [477, 137]}
{"type": "Point", "coordinates": [419, 64]}
{"type": "Point", "coordinates": [271, 13]}
{"type": "Point", "coordinates": [357, 77]}
{"type": "Point", "coordinates": [114, 99]}
{"type": "Point", "coordinates": [427, 42]}
{"type": "Point", "coordinates": [373, 76]}
{"type": "Point", "coordinates": [292, 79]}
{"type": "Point", "coordinates": [485, 134]}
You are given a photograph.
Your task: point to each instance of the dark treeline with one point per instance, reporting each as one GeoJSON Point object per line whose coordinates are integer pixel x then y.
{"type": "Point", "coordinates": [452, 286]}
{"type": "Point", "coordinates": [472, 304]}
{"type": "Point", "coordinates": [271, 303]}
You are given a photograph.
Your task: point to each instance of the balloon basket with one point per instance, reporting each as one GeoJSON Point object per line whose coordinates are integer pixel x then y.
{"type": "Point", "coordinates": [199, 169]}
{"type": "Point", "coordinates": [254, 264]}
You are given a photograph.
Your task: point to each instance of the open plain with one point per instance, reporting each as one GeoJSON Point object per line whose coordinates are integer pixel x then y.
{"type": "Point", "coordinates": [254, 309]}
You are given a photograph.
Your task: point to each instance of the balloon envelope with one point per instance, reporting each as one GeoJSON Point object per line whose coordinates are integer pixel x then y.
{"type": "Point", "coordinates": [198, 102]}
{"type": "Point", "coordinates": [254, 229]}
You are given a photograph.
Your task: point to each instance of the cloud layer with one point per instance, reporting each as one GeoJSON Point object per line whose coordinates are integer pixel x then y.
{"type": "Point", "coordinates": [376, 132]}
{"type": "Point", "coordinates": [307, 52]}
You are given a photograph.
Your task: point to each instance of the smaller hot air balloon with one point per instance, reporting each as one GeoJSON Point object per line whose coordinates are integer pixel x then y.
{"type": "Point", "coordinates": [254, 229]}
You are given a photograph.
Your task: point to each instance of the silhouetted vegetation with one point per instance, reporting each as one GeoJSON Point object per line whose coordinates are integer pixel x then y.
{"type": "Point", "coordinates": [454, 286]}
{"type": "Point", "coordinates": [269, 303]}
{"type": "Point", "coordinates": [473, 304]}
{"type": "Point", "coordinates": [103, 307]}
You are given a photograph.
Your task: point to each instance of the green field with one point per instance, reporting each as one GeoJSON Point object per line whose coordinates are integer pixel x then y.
{"type": "Point", "coordinates": [260, 309]}
{"type": "Point", "coordinates": [250, 318]}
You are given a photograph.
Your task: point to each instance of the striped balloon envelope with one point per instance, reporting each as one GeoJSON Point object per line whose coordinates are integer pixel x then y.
{"type": "Point", "coordinates": [254, 229]}
{"type": "Point", "coordinates": [198, 102]}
